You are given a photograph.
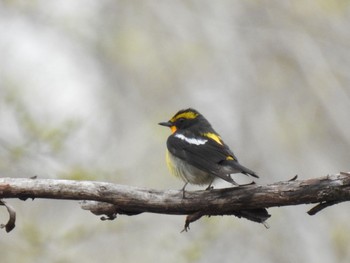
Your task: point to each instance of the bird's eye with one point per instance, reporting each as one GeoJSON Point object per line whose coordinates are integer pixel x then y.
{"type": "Point", "coordinates": [181, 120]}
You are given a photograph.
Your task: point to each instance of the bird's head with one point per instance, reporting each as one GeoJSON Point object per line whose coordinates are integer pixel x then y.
{"type": "Point", "coordinates": [186, 119]}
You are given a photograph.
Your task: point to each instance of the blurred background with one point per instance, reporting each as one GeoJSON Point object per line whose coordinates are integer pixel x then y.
{"type": "Point", "coordinates": [83, 85]}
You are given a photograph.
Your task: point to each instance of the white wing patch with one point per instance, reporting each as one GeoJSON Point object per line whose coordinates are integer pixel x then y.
{"type": "Point", "coordinates": [191, 140]}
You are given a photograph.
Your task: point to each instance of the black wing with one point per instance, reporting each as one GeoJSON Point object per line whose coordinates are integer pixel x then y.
{"type": "Point", "coordinates": [210, 156]}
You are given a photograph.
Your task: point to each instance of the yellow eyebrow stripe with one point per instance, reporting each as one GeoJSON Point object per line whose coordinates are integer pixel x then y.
{"type": "Point", "coordinates": [187, 115]}
{"type": "Point", "coordinates": [214, 137]}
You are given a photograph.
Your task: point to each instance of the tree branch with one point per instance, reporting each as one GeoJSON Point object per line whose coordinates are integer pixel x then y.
{"type": "Point", "coordinates": [247, 201]}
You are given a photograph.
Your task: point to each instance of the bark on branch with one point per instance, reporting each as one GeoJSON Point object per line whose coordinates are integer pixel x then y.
{"type": "Point", "coordinates": [247, 201]}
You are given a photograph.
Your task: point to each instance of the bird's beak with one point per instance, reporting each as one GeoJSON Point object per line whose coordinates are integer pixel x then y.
{"type": "Point", "coordinates": [170, 125]}
{"type": "Point", "coordinates": [166, 124]}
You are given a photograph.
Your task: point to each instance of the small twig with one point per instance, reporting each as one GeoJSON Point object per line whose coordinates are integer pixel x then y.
{"type": "Point", "coordinates": [100, 208]}
{"type": "Point", "coordinates": [190, 219]}
{"type": "Point", "coordinates": [12, 217]}
{"type": "Point", "coordinates": [293, 179]}
{"type": "Point", "coordinates": [321, 206]}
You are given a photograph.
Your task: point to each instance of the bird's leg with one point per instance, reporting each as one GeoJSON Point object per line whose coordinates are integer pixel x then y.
{"type": "Point", "coordinates": [209, 186]}
{"type": "Point", "coordinates": [183, 190]}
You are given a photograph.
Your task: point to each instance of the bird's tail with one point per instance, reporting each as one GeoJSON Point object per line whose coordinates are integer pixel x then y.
{"type": "Point", "coordinates": [250, 172]}
{"type": "Point", "coordinates": [240, 168]}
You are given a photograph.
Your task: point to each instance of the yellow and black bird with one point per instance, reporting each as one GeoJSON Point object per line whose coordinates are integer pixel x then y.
{"type": "Point", "coordinates": [196, 153]}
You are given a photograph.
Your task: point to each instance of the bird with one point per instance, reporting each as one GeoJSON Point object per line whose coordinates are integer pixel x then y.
{"type": "Point", "coordinates": [197, 154]}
